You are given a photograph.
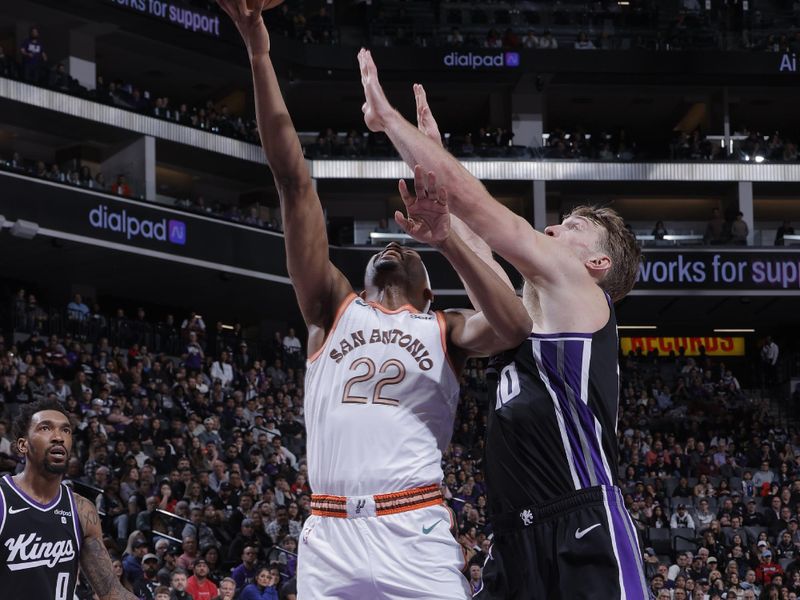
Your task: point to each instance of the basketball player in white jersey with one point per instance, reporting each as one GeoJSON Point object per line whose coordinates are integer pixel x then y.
{"type": "Point", "coordinates": [47, 531]}
{"type": "Point", "coordinates": [382, 379]}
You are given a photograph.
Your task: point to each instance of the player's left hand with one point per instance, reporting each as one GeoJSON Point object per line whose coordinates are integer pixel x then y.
{"type": "Point", "coordinates": [428, 219]}
{"type": "Point", "coordinates": [246, 15]}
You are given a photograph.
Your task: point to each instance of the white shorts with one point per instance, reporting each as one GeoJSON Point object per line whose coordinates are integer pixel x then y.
{"type": "Point", "coordinates": [410, 554]}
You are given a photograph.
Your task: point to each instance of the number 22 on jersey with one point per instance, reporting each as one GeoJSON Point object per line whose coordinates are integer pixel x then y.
{"type": "Point", "coordinates": [373, 381]}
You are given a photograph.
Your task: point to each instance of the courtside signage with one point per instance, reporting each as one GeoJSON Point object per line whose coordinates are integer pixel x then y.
{"type": "Point", "coordinates": [713, 346]}
{"type": "Point", "coordinates": [728, 271]}
{"type": "Point", "coordinates": [164, 230]}
{"type": "Point", "coordinates": [188, 18]}
{"type": "Point", "coordinates": [475, 60]}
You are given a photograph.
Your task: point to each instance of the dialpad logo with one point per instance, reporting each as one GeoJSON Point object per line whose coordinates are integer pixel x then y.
{"type": "Point", "coordinates": [177, 232]}
{"type": "Point", "coordinates": [481, 61]}
{"type": "Point", "coordinates": [131, 227]}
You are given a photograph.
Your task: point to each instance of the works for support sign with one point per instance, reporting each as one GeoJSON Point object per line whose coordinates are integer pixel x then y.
{"type": "Point", "coordinates": [721, 270]}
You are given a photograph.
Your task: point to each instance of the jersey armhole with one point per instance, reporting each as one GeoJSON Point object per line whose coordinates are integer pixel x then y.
{"type": "Point", "coordinates": [76, 519]}
{"type": "Point", "coordinates": [442, 321]}
{"type": "Point", "coordinates": [339, 312]}
{"type": "Point", "coordinates": [3, 509]}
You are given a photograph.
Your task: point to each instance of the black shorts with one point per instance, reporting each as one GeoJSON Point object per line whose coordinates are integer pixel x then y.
{"type": "Point", "coordinates": [578, 547]}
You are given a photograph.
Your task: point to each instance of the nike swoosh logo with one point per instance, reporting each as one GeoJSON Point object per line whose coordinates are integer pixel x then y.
{"type": "Point", "coordinates": [427, 530]}
{"type": "Point", "coordinates": [13, 511]}
{"type": "Point", "coordinates": [579, 534]}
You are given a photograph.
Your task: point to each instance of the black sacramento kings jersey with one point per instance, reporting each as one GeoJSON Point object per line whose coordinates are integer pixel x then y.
{"type": "Point", "coordinates": [39, 545]}
{"type": "Point", "coordinates": [552, 428]}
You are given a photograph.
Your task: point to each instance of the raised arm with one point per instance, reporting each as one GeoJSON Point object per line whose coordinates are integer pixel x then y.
{"type": "Point", "coordinates": [95, 562]}
{"type": "Point", "coordinates": [427, 124]}
{"type": "Point", "coordinates": [320, 287]}
{"type": "Point", "coordinates": [503, 322]}
{"type": "Point", "coordinates": [508, 234]}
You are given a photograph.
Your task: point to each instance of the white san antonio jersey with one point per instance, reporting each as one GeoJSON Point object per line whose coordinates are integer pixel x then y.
{"type": "Point", "coordinates": [380, 401]}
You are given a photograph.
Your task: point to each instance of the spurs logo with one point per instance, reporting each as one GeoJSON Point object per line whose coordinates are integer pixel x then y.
{"type": "Point", "coordinates": [526, 516]}
{"type": "Point", "coordinates": [359, 505]}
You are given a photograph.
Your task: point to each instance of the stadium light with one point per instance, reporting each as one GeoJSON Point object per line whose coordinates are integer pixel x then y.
{"type": "Point", "coordinates": [759, 159]}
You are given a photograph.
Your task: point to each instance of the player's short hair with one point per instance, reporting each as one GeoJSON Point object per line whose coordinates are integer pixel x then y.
{"type": "Point", "coordinates": [619, 244]}
{"type": "Point", "coordinates": [23, 420]}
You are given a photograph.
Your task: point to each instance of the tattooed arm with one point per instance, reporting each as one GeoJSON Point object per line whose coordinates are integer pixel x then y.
{"type": "Point", "coordinates": [95, 562]}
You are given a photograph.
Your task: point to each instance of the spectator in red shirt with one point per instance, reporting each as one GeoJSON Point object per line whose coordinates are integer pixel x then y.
{"type": "Point", "coordinates": [199, 585]}
{"type": "Point", "coordinates": [121, 187]}
{"type": "Point", "coordinates": [767, 569]}
{"type": "Point", "coordinates": [656, 451]}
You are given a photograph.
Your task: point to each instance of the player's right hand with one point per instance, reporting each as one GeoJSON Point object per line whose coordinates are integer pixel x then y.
{"type": "Point", "coordinates": [428, 219]}
{"type": "Point", "coordinates": [249, 23]}
{"type": "Point", "coordinates": [425, 121]}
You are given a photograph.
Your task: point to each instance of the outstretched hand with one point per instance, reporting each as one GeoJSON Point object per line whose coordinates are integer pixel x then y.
{"type": "Point", "coordinates": [376, 107]}
{"type": "Point", "coordinates": [428, 219]}
{"type": "Point", "coordinates": [425, 121]}
{"type": "Point", "coordinates": [249, 23]}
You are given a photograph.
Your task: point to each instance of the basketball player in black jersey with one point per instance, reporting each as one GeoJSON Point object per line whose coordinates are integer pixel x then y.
{"type": "Point", "coordinates": [561, 528]}
{"type": "Point", "coordinates": [47, 531]}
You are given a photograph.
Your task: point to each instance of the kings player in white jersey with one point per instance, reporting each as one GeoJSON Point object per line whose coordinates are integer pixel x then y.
{"type": "Point", "coordinates": [382, 378]}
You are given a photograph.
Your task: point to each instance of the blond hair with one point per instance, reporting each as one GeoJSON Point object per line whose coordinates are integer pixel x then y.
{"type": "Point", "coordinates": [619, 244]}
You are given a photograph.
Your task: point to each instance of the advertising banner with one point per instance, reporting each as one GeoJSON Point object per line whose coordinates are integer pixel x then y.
{"type": "Point", "coordinates": [143, 227]}
{"type": "Point", "coordinates": [730, 270]}
{"type": "Point", "coordinates": [179, 14]}
{"type": "Point", "coordinates": [713, 346]}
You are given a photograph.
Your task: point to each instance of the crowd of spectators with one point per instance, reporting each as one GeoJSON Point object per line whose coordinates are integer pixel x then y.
{"type": "Point", "coordinates": [181, 429]}
{"type": "Point", "coordinates": [580, 144]}
{"type": "Point", "coordinates": [485, 142]}
{"type": "Point", "coordinates": [34, 67]}
{"type": "Point", "coordinates": [746, 145]}
{"type": "Point", "coordinates": [604, 25]}
{"type": "Point", "coordinates": [193, 445]}
{"type": "Point", "coordinates": [611, 144]}
{"type": "Point", "coordinates": [711, 480]}
{"type": "Point", "coordinates": [31, 64]}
